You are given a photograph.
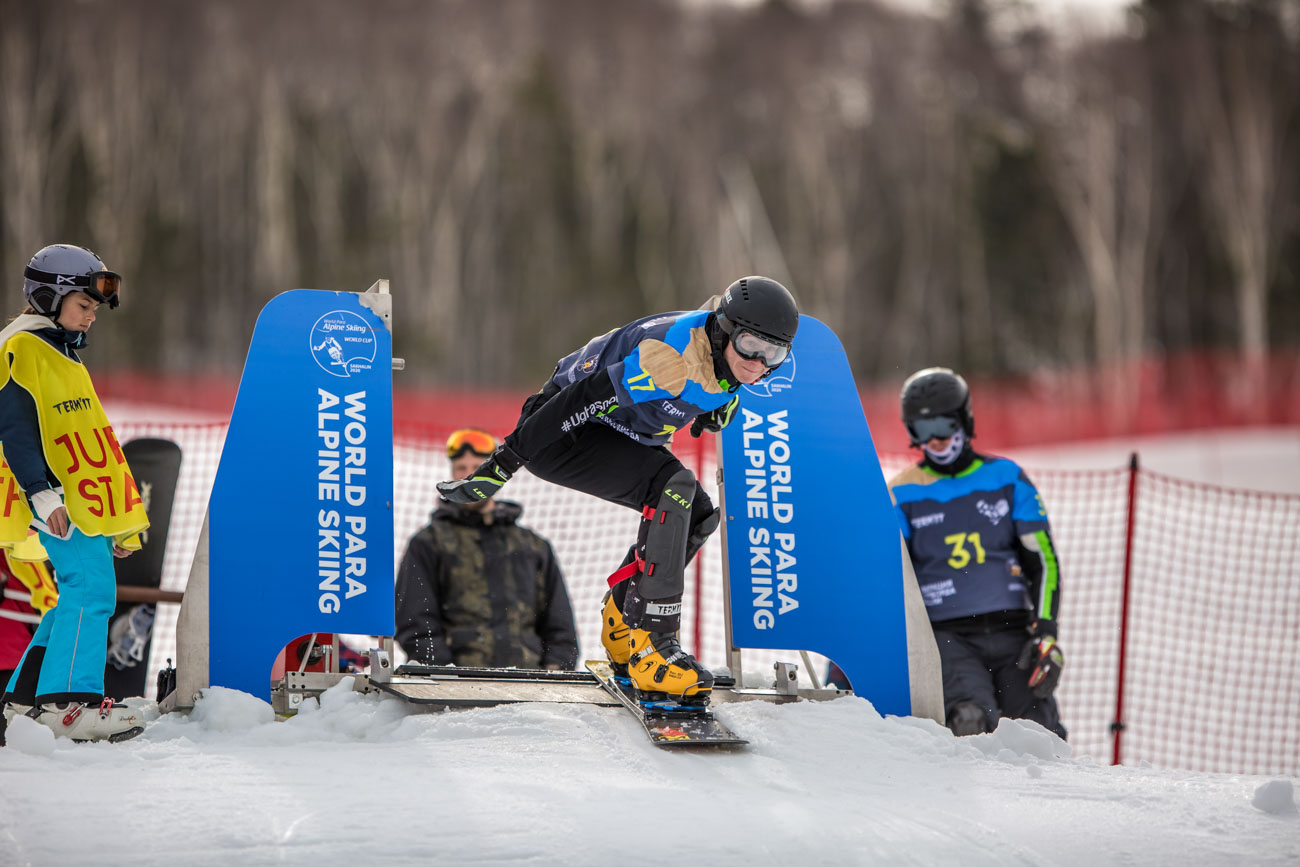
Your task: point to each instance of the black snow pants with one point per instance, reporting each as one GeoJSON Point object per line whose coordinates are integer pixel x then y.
{"type": "Point", "coordinates": [598, 460]}
{"type": "Point", "coordinates": [980, 667]}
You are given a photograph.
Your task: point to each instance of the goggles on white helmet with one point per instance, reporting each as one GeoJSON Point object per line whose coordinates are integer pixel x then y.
{"type": "Point", "coordinates": [104, 286]}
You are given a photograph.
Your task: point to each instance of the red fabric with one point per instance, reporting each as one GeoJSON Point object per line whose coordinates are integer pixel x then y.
{"type": "Point", "coordinates": [627, 571]}
{"type": "Point", "coordinates": [14, 634]}
{"type": "Point", "coordinates": [14, 638]}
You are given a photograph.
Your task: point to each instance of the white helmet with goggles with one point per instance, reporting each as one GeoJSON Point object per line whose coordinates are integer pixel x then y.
{"type": "Point", "coordinates": [59, 270]}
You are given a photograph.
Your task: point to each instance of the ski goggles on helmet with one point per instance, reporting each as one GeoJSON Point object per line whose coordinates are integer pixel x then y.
{"type": "Point", "coordinates": [104, 286]}
{"type": "Point", "coordinates": [939, 427]}
{"type": "Point", "coordinates": [755, 347]}
{"type": "Point", "coordinates": [470, 440]}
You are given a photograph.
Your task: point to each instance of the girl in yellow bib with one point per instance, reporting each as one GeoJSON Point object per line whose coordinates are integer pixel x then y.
{"type": "Point", "coordinates": [63, 473]}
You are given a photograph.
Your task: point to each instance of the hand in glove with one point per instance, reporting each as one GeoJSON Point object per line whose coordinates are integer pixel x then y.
{"type": "Point", "coordinates": [1043, 659]}
{"type": "Point", "coordinates": [483, 483]}
{"type": "Point", "coordinates": [715, 420]}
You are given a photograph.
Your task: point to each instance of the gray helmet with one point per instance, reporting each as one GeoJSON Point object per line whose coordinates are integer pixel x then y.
{"type": "Point", "coordinates": [59, 270]}
{"type": "Point", "coordinates": [935, 393]}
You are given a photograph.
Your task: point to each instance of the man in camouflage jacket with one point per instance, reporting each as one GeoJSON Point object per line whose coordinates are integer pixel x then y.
{"type": "Point", "coordinates": [477, 589]}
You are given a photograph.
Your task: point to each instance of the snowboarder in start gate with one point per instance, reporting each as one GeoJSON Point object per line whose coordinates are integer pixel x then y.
{"type": "Point", "coordinates": [601, 425]}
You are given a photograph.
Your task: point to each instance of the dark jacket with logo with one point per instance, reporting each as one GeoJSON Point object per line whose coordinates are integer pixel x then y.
{"type": "Point", "coordinates": [645, 380]}
{"type": "Point", "coordinates": [661, 370]}
{"type": "Point", "coordinates": [979, 540]}
{"type": "Point", "coordinates": [480, 590]}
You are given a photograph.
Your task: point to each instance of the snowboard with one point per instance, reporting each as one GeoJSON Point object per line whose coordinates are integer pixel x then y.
{"type": "Point", "coordinates": [674, 729]}
{"type": "Point", "coordinates": [156, 465]}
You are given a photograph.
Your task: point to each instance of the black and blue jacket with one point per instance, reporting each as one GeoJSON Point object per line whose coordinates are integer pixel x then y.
{"type": "Point", "coordinates": [645, 380]}
{"type": "Point", "coordinates": [980, 541]}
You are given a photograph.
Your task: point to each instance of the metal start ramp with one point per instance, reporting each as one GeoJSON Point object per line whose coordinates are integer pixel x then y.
{"type": "Point", "coordinates": [435, 688]}
{"type": "Point", "coordinates": [453, 687]}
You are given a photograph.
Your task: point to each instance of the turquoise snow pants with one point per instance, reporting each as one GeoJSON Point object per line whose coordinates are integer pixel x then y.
{"type": "Point", "coordinates": [73, 636]}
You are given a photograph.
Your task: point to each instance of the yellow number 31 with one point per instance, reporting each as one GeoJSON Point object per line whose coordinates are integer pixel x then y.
{"type": "Point", "coordinates": [960, 556]}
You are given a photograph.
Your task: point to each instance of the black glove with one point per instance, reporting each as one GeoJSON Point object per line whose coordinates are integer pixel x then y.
{"type": "Point", "coordinates": [1043, 659]}
{"type": "Point", "coordinates": [716, 419]}
{"type": "Point", "coordinates": [490, 477]}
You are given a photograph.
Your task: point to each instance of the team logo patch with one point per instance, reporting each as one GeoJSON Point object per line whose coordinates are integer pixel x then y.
{"type": "Point", "coordinates": [342, 343]}
{"type": "Point", "coordinates": [781, 379]}
{"type": "Point", "coordinates": [995, 512]}
{"type": "Point", "coordinates": [589, 364]}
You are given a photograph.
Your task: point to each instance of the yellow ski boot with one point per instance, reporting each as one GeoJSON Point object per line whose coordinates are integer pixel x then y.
{"type": "Point", "coordinates": [613, 635]}
{"type": "Point", "coordinates": [663, 675]}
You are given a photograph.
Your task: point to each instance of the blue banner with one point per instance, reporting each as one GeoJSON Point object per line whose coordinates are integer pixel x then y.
{"type": "Point", "coordinates": [813, 546]}
{"type": "Point", "coordinates": [300, 520]}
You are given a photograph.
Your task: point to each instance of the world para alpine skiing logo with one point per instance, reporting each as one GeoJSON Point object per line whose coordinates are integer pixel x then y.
{"type": "Point", "coordinates": [778, 381]}
{"type": "Point", "coordinates": [343, 344]}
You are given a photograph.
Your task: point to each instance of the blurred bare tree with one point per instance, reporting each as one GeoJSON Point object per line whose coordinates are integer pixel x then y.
{"type": "Point", "coordinates": [971, 189]}
{"type": "Point", "coordinates": [1242, 109]}
{"type": "Point", "coordinates": [35, 139]}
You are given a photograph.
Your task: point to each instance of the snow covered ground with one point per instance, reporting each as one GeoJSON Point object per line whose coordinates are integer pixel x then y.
{"type": "Point", "coordinates": [361, 780]}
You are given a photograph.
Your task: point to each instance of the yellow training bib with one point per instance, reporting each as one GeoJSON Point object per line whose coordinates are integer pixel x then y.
{"type": "Point", "coordinates": [79, 445]}
{"type": "Point", "coordinates": [30, 550]}
{"type": "Point", "coordinates": [36, 578]}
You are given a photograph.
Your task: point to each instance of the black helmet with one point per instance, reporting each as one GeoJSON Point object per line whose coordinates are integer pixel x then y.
{"type": "Point", "coordinates": [760, 305]}
{"type": "Point", "coordinates": [61, 269]}
{"type": "Point", "coordinates": [934, 393]}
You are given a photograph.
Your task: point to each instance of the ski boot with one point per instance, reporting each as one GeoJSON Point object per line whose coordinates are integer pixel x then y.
{"type": "Point", "coordinates": [613, 635]}
{"type": "Point", "coordinates": [84, 721]}
{"type": "Point", "coordinates": [664, 677]}
{"type": "Point", "coordinates": [968, 718]}
{"type": "Point", "coordinates": [13, 709]}
{"type": "Point", "coordinates": [10, 710]}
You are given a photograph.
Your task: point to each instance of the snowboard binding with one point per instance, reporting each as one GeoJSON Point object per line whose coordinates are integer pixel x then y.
{"type": "Point", "coordinates": [661, 704]}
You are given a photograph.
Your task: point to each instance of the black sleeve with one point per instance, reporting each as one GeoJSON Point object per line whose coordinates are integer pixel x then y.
{"type": "Point", "coordinates": [563, 411]}
{"type": "Point", "coordinates": [20, 437]}
{"type": "Point", "coordinates": [418, 608]}
{"type": "Point", "coordinates": [555, 623]}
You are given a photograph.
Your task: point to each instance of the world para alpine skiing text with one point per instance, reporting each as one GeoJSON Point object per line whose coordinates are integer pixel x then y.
{"type": "Point", "coordinates": [768, 499]}
{"type": "Point", "coordinates": [340, 484]}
